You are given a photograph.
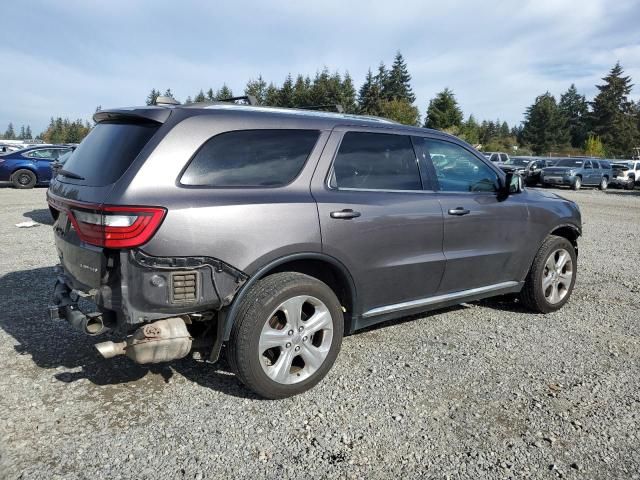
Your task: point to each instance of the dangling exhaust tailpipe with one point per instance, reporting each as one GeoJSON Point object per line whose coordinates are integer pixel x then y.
{"type": "Point", "coordinates": [65, 307]}
{"type": "Point", "coordinates": [160, 341]}
{"type": "Point", "coordinates": [89, 324]}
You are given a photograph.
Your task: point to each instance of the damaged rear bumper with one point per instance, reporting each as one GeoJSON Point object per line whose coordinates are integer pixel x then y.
{"type": "Point", "coordinates": [137, 288]}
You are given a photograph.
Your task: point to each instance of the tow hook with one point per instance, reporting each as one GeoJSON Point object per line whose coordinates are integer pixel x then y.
{"type": "Point", "coordinates": [159, 341]}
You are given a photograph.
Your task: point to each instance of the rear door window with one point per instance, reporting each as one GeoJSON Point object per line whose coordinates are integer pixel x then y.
{"type": "Point", "coordinates": [503, 157]}
{"type": "Point", "coordinates": [376, 161]}
{"type": "Point", "coordinates": [250, 158]}
{"type": "Point", "coordinates": [108, 150]}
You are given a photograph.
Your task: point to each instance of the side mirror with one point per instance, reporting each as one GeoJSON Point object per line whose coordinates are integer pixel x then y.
{"type": "Point", "coordinates": [512, 184]}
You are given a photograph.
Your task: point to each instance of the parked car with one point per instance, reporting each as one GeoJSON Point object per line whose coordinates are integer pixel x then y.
{"type": "Point", "coordinates": [496, 156]}
{"type": "Point", "coordinates": [515, 165]}
{"type": "Point", "coordinates": [277, 231]}
{"type": "Point", "coordinates": [531, 174]}
{"type": "Point", "coordinates": [578, 172]}
{"type": "Point", "coordinates": [626, 174]}
{"type": "Point", "coordinates": [29, 167]}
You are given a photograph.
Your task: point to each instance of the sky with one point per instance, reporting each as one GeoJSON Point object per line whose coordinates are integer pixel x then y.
{"type": "Point", "coordinates": [64, 58]}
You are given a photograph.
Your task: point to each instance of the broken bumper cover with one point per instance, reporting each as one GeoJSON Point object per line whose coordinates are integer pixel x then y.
{"type": "Point", "coordinates": [140, 288]}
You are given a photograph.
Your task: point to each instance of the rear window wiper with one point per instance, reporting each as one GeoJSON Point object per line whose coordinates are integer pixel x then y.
{"type": "Point", "coordinates": [69, 174]}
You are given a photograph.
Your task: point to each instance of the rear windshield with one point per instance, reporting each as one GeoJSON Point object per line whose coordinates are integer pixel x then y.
{"type": "Point", "coordinates": [250, 158]}
{"type": "Point", "coordinates": [104, 155]}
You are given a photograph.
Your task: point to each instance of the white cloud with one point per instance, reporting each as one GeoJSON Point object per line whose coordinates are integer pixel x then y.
{"type": "Point", "coordinates": [497, 56]}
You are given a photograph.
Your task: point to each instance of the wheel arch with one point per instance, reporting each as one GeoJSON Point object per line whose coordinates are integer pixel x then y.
{"type": "Point", "coordinates": [318, 265]}
{"type": "Point", "coordinates": [568, 231]}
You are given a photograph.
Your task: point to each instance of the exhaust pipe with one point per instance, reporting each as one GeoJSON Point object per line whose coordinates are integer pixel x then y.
{"type": "Point", "coordinates": [89, 324]}
{"type": "Point", "coordinates": [156, 342]}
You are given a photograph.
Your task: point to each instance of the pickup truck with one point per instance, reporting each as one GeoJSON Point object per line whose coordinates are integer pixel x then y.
{"type": "Point", "coordinates": [626, 174]}
{"type": "Point", "coordinates": [576, 172]}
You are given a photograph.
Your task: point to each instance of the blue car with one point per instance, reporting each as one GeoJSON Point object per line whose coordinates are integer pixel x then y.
{"type": "Point", "coordinates": [31, 166]}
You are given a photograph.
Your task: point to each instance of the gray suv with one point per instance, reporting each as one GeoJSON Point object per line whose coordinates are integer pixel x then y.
{"type": "Point", "coordinates": [268, 234]}
{"type": "Point", "coordinates": [578, 172]}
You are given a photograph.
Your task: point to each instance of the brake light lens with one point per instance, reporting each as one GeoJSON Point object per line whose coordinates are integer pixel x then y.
{"type": "Point", "coordinates": [117, 226]}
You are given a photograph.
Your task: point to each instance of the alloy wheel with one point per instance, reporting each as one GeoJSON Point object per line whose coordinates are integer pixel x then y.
{"type": "Point", "coordinates": [295, 340]}
{"type": "Point", "coordinates": [557, 276]}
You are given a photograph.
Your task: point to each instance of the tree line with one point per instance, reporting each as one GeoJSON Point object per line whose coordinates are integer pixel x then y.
{"type": "Point", "coordinates": [609, 124]}
{"type": "Point", "coordinates": [11, 134]}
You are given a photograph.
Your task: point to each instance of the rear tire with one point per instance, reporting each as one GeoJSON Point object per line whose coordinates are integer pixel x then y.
{"type": "Point", "coordinates": [23, 179]}
{"type": "Point", "coordinates": [630, 185]}
{"type": "Point", "coordinates": [552, 276]}
{"type": "Point", "coordinates": [281, 315]}
{"type": "Point", "coordinates": [604, 183]}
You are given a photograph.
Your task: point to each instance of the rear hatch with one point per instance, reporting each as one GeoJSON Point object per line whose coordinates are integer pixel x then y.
{"type": "Point", "coordinates": [87, 228]}
{"type": "Point", "coordinates": [620, 170]}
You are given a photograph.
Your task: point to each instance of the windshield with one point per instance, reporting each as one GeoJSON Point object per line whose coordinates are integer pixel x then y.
{"type": "Point", "coordinates": [569, 162]}
{"type": "Point", "coordinates": [105, 154]}
{"type": "Point", "coordinates": [519, 162]}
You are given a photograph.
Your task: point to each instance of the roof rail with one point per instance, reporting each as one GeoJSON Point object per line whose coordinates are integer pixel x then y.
{"type": "Point", "coordinates": [250, 99]}
{"type": "Point", "coordinates": [330, 107]}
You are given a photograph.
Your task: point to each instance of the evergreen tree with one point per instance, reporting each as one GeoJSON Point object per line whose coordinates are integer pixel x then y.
{"type": "Point", "coordinates": [613, 114]}
{"type": "Point", "coordinates": [224, 92]}
{"type": "Point", "coordinates": [302, 91]}
{"type": "Point", "coordinates": [188, 100]}
{"type": "Point", "coordinates": [28, 134]}
{"type": "Point", "coordinates": [369, 96]}
{"type": "Point", "coordinates": [10, 133]}
{"type": "Point", "coordinates": [257, 88]}
{"type": "Point", "coordinates": [380, 79]}
{"type": "Point", "coordinates": [545, 126]}
{"type": "Point", "coordinates": [397, 85]}
{"type": "Point", "coordinates": [575, 108]}
{"type": "Point", "coordinates": [152, 97]}
{"type": "Point", "coordinates": [470, 131]}
{"type": "Point", "coordinates": [210, 96]}
{"type": "Point", "coordinates": [199, 98]}
{"type": "Point", "coordinates": [271, 96]}
{"type": "Point", "coordinates": [443, 111]}
{"type": "Point", "coordinates": [348, 94]}
{"type": "Point", "coordinates": [504, 130]}
{"type": "Point", "coordinates": [168, 93]}
{"type": "Point", "coordinates": [23, 133]}
{"type": "Point", "coordinates": [286, 94]}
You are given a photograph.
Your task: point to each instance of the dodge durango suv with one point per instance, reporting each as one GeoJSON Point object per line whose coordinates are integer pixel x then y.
{"type": "Point", "coordinates": [268, 234]}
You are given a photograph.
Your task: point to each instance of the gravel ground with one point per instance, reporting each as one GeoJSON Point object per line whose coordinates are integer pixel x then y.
{"type": "Point", "coordinates": [484, 390]}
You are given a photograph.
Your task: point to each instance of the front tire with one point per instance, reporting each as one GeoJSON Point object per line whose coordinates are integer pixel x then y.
{"type": "Point", "coordinates": [287, 335]}
{"type": "Point", "coordinates": [577, 183]}
{"type": "Point", "coordinates": [552, 276]}
{"type": "Point", "coordinates": [23, 179]}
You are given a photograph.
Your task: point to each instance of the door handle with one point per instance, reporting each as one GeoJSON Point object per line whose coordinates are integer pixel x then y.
{"type": "Point", "coordinates": [345, 214]}
{"type": "Point", "coordinates": [459, 211]}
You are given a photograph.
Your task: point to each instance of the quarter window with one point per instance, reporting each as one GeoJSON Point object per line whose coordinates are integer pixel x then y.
{"type": "Point", "coordinates": [376, 161]}
{"type": "Point", "coordinates": [458, 170]}
{"type": "Point", "coordinates": [251, 158]}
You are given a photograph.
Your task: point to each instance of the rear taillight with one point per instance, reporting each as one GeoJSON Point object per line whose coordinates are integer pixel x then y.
{"type": "Point", "coordinates": [116, 226]}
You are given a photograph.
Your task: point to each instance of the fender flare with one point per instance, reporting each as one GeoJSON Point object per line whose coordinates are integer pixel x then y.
{"type": "Point", "coordinates": [229, 316]}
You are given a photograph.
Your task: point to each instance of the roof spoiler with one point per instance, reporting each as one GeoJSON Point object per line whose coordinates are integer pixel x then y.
{"type": "Point", "coordinates": [139, 114]}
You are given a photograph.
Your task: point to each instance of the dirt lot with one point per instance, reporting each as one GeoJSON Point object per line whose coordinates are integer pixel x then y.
{"type": "Point", "coordinates": [484, 390]}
